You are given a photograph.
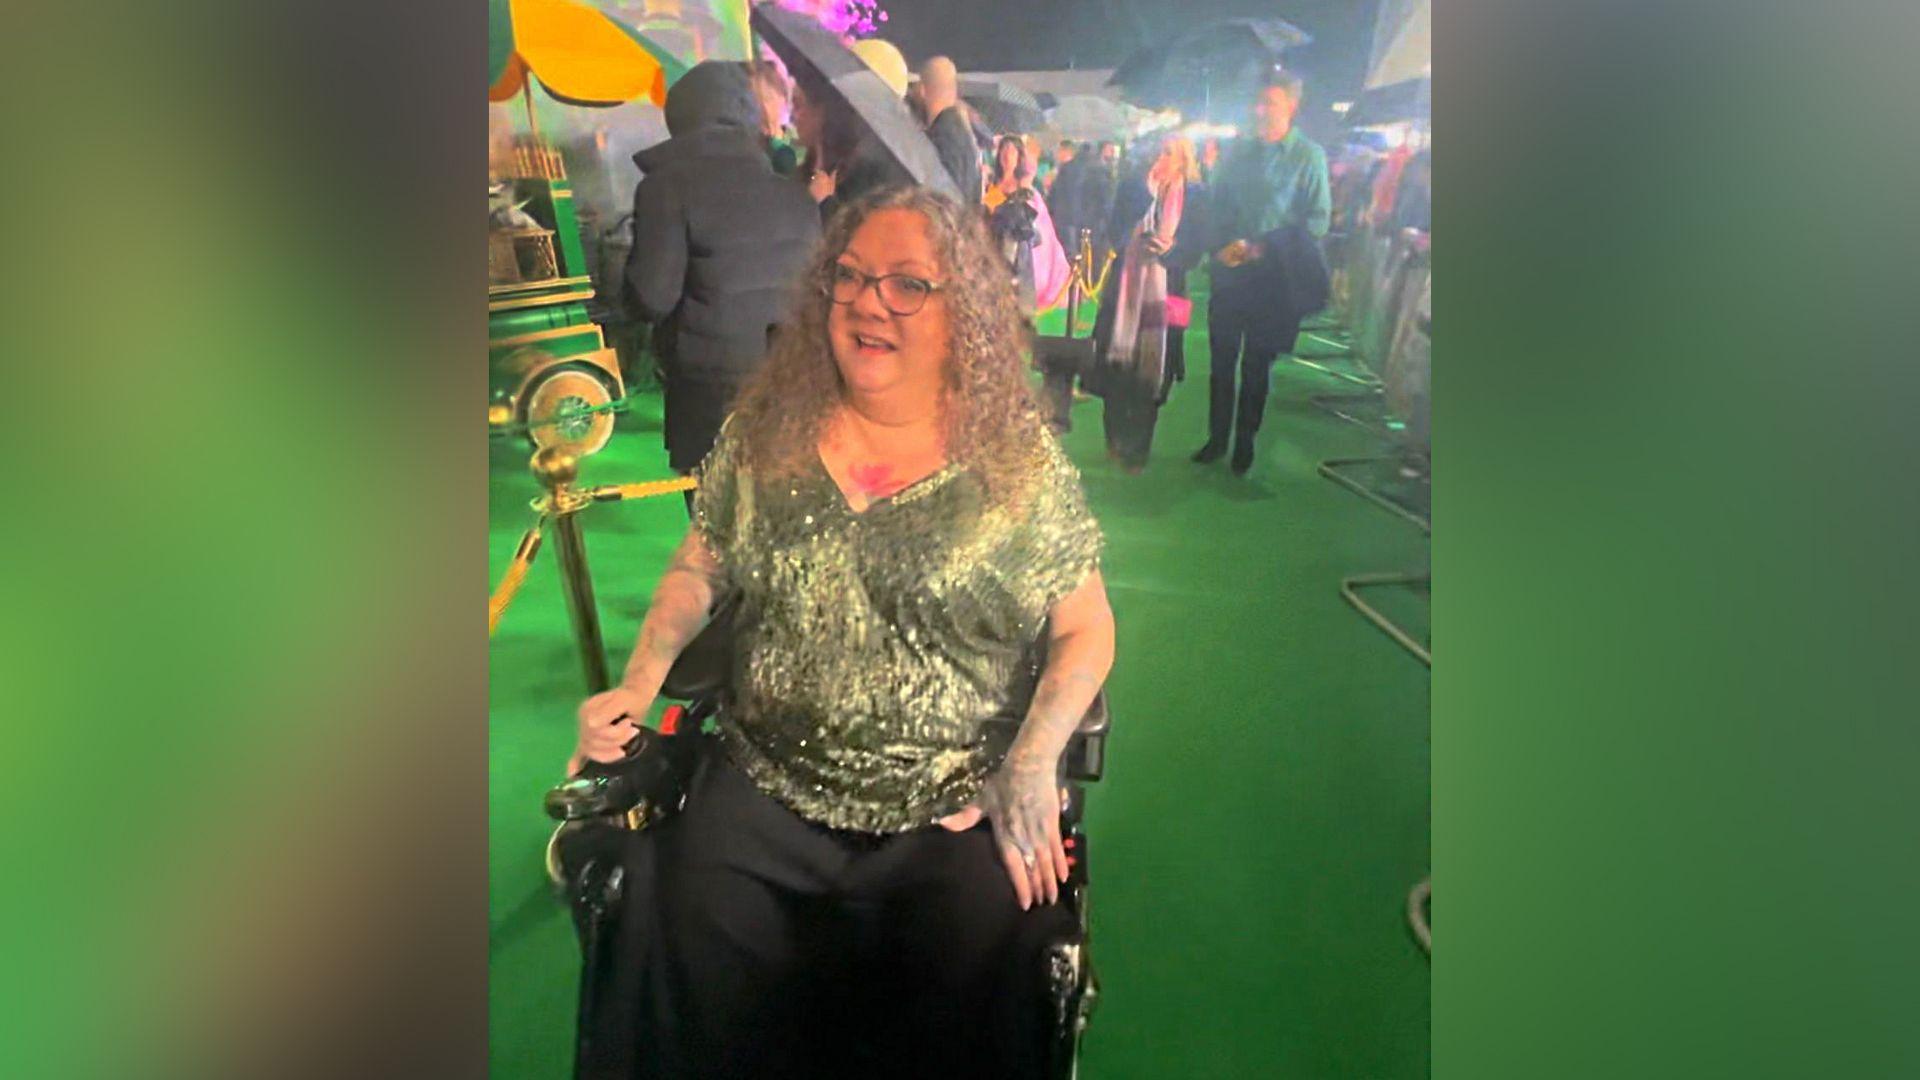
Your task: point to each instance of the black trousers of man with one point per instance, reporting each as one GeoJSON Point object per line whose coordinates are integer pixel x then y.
{"type": "Point", "coordinates": [695, 407]}
{"type": "Point", "coordinates": [786, 949]}
{"type": "Point", "coordinates": [1246, 332]}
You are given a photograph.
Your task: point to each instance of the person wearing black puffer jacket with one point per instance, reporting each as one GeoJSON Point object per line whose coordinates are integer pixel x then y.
{"type": "Point", "coordinates": [718, 239]}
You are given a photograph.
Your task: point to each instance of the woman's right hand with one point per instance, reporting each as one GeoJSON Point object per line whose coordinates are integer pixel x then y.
{"type": "Point", "coordinates": [820, 185]}
{"type": "Point", "coordinates": [608, 722]}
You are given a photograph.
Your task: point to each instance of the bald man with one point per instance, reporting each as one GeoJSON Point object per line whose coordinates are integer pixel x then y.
{"type": "Point", "coordinates": [947, 125]}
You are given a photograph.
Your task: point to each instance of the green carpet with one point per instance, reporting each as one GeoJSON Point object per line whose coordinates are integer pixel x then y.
{"type": "Point", "coordinates": [1265, 809]}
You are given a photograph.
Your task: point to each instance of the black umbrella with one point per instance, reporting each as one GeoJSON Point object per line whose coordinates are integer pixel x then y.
{"type": "Point", "coordinates": [1006, 109]}
{"type": "Point", "coordinates": [1218, 61]}
{"type": "Point", "coordinates": [1273, 35]}
{"type": "Point", "coordinates": [808, 48]}
{"type": "Point", "coordinates": [1144, 69]}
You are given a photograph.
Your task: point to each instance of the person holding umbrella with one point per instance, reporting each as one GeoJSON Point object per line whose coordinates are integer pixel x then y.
{"type": "Point", "coordinates": [842, 163]}
{"type": "Point", "coordinates": [859, 133]}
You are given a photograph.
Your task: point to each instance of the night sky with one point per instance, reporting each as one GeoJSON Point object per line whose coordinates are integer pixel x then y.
{"type": "Point", "coordinates": [1007, 35]}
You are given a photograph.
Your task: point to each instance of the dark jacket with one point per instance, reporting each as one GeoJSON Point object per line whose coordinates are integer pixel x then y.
{"type": "Point", "coordinates": [717, 237]}
{"type": "Point", "coordinates": [1095, 187]}
{"type": "Point", "coordinates": [1285, 285]}
{"type": "Point", "coordinates": [1063, 200]}
{"type": "Point", "coordinates": [952, 138]}
{"type": "Point", "coordinates": [869, 169]}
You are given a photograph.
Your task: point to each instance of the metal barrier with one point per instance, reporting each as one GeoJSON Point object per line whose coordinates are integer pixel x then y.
{"type": "Point", "coordinates": [1419, 917]}
{"type": "Point", "coordinates": [1350, 588]}
{"type": "Point", "coordinates": [1384, 288]}
{"type": "Point", "coordinates": [1418, 511]}
{"type": "Point", "coordinates": [560, 507]}
{"type": "Point", "coordinates": [1366, 410]}
{"type": "Point", "coordinates": [1403, 398]}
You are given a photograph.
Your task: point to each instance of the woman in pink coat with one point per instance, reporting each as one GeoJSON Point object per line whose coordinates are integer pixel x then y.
{"type": "Point", "coordinates": [1010, 197]}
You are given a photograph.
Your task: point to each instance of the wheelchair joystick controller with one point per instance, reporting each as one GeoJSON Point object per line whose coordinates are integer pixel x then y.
{"type": "Point", "coordinates": [649, 780]}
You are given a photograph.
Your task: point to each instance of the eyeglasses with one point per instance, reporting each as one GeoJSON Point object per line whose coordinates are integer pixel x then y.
{"type": "Point", "coordinates": [902, 294]}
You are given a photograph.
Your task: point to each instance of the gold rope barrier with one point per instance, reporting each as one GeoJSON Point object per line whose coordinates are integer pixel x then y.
{"type": "Point", "coordinates": [644, 490]}
{"type": "Point", "coordinates": [566, 500]}
{"type": "Point", "coordinates": [1084, 261]}
{"type": "Point", "coordinates": [516, 574]}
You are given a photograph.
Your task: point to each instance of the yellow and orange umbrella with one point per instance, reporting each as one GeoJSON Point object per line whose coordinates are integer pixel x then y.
{"type": "Point", "coordinates": [579, 54]}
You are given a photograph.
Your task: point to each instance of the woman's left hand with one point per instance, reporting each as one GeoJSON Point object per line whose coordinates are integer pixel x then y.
{"type": "Point", "coordinates": [1021, 799]}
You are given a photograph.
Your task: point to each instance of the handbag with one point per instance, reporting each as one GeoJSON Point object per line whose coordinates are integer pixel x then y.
{"type": "Point", "coordinates": [1179, 312]}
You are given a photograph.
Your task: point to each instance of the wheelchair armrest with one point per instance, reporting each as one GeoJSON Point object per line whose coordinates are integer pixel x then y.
{"type": "Point", "coordinates": [1085, 757]}
{"type": "Point", "coordinates": [1062, 354]}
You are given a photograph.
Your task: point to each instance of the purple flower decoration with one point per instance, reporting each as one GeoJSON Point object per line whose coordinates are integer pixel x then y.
{"type": "Point", "coordinates": [847, 18]}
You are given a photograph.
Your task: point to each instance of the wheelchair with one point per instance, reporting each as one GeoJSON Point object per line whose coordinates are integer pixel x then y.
{"type": "Point", "coordinates": [599, 857]}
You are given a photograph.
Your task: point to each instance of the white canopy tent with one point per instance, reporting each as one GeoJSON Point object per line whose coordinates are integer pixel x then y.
{"type": "Point", "coordinates": [1402, 43]}
{"type": "Point", "coordinates": [1398, 90]}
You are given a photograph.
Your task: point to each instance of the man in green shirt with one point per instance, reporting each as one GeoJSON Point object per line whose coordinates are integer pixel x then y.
{"type": "Point", "coordinates": [1269, 191]}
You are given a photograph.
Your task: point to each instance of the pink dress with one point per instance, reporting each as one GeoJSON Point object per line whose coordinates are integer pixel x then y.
{"type": "Point", "coordinates": [1050, 268]}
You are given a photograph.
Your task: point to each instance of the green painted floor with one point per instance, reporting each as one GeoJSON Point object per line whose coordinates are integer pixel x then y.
{"type": "Point", "coordinates": [1265, 809]}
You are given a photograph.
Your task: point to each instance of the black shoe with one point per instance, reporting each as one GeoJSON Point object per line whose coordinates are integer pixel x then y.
{"type": "Point", "coordinates": [1242, 457]}
{"type": "Point", "coordinates": [1210, 453]}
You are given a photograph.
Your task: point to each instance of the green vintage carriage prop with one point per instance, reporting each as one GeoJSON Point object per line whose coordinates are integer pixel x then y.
{"type": "Point", "coordinates": [552, 375]}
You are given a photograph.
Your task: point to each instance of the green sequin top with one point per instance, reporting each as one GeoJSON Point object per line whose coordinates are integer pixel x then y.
{"type": "Point", "coordinates": [870, 647]}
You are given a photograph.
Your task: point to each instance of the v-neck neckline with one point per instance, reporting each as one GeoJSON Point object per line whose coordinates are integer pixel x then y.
{"type": "Point", "coordinates": [846, 502]}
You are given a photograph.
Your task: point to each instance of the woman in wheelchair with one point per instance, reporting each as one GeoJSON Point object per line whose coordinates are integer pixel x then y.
{"type": "Point", "coordinates": [861, 883]}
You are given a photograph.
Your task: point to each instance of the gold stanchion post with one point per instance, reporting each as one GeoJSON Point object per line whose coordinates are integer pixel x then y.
{"type": "Point", "coordinates": [557, 470]}
{"type": "Point", "coordinates": [1081, 267]}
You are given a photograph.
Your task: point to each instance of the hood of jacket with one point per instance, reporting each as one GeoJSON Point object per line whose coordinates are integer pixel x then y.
{"type": "Point", "coordinates": [711, 111]}
{"type": "Point", "coordinates": [712, 92]}
{"type": "Point", "coordinates": [705, 144]}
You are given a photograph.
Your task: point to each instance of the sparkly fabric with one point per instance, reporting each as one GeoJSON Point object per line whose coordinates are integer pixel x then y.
{"type": "Point", "coordinates": [869, 648]}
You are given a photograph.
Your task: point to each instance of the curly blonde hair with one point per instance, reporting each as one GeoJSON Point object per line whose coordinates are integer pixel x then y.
{"type": "Point", "coordinates": [992, 425]}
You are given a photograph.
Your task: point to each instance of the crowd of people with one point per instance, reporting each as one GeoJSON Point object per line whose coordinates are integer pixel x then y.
{"type": "Point", "coordinates": [893, 534]}
{"type": "Point", "coordinates": [711, 260]}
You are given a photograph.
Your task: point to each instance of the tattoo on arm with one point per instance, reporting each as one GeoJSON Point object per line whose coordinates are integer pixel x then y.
{"type": "Point", "coordinates": [677, 614]}
{"type": "Point", "coordinates": [1080, 653]}
{"type": "Point", "coordinates": [1058, 706]}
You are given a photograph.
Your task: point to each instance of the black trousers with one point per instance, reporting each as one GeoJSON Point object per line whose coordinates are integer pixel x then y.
{"type": "Point", "coordinates": [1129, 418]}
{"type": "Point", "coordinates": [695, 407]}
{"type": "Point", "coordinates": [1056, 399]}
{"type": "Point", "coordinates": [1176, 335]}
{"type": "Point", "coordinates": [1242, 337]}
{"type": "Point", "coordinates": [785, 949]}
{"type": "Point", "coordinates": [1056, 386]}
